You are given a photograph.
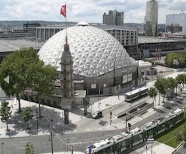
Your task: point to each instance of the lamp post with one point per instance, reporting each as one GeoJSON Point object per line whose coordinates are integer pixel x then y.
{"type": "Point", "coordinates": [51, 136]}
{"type": "Point", "coordinates": [72, 149]}
{"type": "Point", "coordinates": [152, 70]}
{"type": "Point", "coordinates": [67, 144]}
{"type": "Point", "coordinates": [36, 119]}
{"type": "Point", "coordinates": [126, 121]}
{"type": "Point", "coordinates": [99, 86]}
{"type": "Point", "coordinates": [98, 103]}
{"type": "Point", "coordinates": [2, 147]}
{"type": "Point", "coordinates": [151, 140]}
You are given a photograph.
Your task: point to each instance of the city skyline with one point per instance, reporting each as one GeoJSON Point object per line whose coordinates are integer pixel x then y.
{"type": "Point", "coordinates": [86, 10]}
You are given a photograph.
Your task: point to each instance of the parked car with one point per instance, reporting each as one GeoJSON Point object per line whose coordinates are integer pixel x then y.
{"type": "Point", "coordinates": [97, 114]}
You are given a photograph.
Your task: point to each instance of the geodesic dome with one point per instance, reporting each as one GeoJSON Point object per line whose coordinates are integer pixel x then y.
{"type": "Point", "coordinates": [94, 51]}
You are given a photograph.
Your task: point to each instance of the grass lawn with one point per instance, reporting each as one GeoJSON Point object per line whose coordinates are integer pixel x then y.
{"type": "Point", "coordinates": [169, 137]}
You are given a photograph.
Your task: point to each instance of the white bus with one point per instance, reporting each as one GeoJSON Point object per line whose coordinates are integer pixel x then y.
{"type": "Point", "coordinates": [129, 96]}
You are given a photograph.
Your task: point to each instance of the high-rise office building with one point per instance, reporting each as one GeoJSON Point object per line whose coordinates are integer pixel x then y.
{"type": "Point", "coordinates": [151, 18]}
{"type": "Point", "coordinates": [113, 18]}
{"type": "Point", "coordinates": [176, 21]}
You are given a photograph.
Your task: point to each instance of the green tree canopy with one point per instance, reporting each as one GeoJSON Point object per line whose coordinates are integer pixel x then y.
{"type": "Point", "coordinates": [171, 83]}
{"type": "Point", "coordinates": [161, 85]}
{"type": "Point", "coordinates": [152, 93]}
{"type": "Point", "coordinates": [27, 115]}
{"type": "Point", "coordinates": [5, 112]}
{"type": "Point", "coordinates": [181, 78]}
{"type": "Point", "coordinates": [43, 81]}
{"type": "Point", "coordinates": [29, 149]}
{"type": "Point", "coordinates": [23, 68]}
{"type": "Point", "coordinates": [175, 60]}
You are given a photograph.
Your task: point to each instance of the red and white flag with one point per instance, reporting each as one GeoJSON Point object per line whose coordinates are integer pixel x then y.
{"type": "Point", "coordinates": [63, 10]}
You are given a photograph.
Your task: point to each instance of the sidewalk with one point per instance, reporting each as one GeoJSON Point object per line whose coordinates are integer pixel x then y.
{"type": "Point", "coordinates": [154, 148]}
{"type": "Point", "coordinates": [17, 125]}
{"type": "Point", "coordinates": [74, 152]}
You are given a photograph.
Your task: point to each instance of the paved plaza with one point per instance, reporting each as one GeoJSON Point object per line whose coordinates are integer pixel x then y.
{"type": "Point", "coordinates": [18, 127]}
{"type": "Point", "coordinates": [74, 152]}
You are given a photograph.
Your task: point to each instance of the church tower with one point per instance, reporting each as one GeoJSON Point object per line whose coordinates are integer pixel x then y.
{"type": "Point", "coordinates": [67, 81]}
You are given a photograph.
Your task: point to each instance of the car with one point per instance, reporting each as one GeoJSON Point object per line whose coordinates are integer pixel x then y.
{"type": "Point", "coordinates": [97, 114]}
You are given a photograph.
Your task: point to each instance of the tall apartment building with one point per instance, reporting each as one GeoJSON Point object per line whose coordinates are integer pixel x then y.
{"type": "Point", "coordinates": [151, 25]}
{"type": "Point", "coordinates": [176, 21]}
{"type": "Point", "coordinates": [113, 18]}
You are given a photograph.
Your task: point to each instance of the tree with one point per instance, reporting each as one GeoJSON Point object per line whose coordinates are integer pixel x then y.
{"type": "Point", "coordinates": [175, 60]}
{"type": "Point", "coordinates": [152, 93]}
{"type": "Point", "coordinates": [17, 65]}
{"type": "Point", "coordinates": [171, 83]}
{"type": "Point", "coordinates": [43, 82]}
{"type": "Point", "coordinates": [23, 67]}
{"type": "Point", "coordinates": [181, 79]}
{"type": "Point", "coordinates": [5, 112]}
{"type": "Point", "coordinates": [27, 115]}
{"type": "Point", "coordinates": [29, 149]}
{"type": "Point", "coordinates": [161, 85]}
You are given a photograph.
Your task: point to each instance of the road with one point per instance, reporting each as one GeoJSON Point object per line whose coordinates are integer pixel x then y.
{"type": "Point", "coordinates": [181, 150]}
{"type": "Point", "coordinates": [43, 145]}
{"type": "Point", "coordinates": [89, 124]}
{"type": "Point", "coordinates": [79, 141]}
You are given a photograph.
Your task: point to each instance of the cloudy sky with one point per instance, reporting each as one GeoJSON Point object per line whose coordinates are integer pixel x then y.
{"type": "Point", "coordinates": [84, 10]}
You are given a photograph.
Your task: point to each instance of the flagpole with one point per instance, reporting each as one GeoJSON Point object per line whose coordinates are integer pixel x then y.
{"type": "Point", "coordinates": [66, 22]}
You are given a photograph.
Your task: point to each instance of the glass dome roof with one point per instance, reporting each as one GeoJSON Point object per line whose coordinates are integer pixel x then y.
{"type": "Point", "coordinates": [94, 51]}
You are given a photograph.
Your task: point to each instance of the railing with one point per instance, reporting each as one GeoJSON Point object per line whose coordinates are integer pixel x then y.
{"type": "Point", "coordinates": [123, 113]}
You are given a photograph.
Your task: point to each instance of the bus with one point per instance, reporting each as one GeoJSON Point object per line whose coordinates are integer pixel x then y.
{"type": "Point", "coordinates": [131, 95]}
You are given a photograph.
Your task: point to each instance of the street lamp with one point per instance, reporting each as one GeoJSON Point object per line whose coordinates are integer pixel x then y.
{"type": "Point", "coordinates": [2, 147]}
{"type": "Point", "coordinates": [51, 136]}
{"type": "Point", "coordinates": [150, 140]}
{"type": "Point", "coordinates": [152, 71]}
{"type": "Point", "coordinates": [37, 124]}
{"type": "Point", "coordinates": [126, 121]}
{"type": "Point", "coordinates": [67, 144]}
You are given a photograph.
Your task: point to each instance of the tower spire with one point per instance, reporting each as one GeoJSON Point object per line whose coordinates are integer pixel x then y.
{"type": "Point", "coordinates": [66, 25]}
{"type": "Point", "coordinates": [66, 40]}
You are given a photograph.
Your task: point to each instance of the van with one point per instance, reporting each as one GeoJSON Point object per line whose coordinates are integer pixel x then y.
{"type": "Point", "coordinates": [97, 114]}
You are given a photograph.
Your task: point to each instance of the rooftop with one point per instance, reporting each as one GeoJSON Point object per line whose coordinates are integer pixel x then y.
{"type": "Point", "coordinates": [114, 27]}
{"type": "Point", "coordinates": [7, 45]}
{"type": "Point", "coordinates": [146, 39]}
{"type": "Point", "coordinates": [101, 26]}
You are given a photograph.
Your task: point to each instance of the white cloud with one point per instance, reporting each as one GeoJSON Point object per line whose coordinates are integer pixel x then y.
{"type": "Point", "coordinates": [84, 10]}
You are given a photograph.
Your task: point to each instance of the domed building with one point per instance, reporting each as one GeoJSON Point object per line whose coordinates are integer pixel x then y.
{"type": "Point", "coordinates": [100, 63]}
